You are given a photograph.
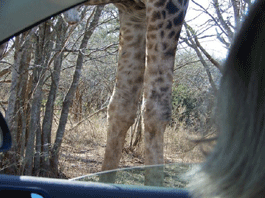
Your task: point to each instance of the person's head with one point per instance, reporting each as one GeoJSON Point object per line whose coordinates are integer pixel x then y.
{"type": "Point", "coordinates": [236, 166]}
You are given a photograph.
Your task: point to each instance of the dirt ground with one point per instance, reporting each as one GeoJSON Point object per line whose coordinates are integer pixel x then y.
{"type": "Point", "coordinates": [83, 148]}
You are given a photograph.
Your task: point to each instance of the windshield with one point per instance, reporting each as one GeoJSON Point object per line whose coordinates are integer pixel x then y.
{"type": "Point", "coordinates": [57, 79]}
{"type": "Point", "coordinates": [174, 175]}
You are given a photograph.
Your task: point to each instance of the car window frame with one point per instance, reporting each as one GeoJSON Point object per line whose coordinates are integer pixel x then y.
{"type": "Point", "coordinates": [49, 187]}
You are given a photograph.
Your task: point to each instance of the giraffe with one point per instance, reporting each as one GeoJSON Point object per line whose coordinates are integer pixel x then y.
{"type": "Point", "coordinates": [149, 33]}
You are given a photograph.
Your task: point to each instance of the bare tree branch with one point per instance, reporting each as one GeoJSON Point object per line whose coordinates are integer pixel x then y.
{"type": "Point", "coordinates": [195, 47]}
{"type": "Point", "coordinates": [228, 31]}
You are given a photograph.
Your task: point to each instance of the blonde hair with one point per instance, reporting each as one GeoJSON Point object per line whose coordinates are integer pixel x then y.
{"type": "Point", "coordinates": [236, 167]}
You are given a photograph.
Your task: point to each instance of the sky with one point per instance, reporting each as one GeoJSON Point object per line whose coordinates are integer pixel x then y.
{"type": "Point", "coordinates": [195, 19]}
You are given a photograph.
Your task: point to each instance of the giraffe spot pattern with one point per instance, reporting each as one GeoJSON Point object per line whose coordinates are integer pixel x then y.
{"type": "Point", "coordinates": [137, 26]}
{"type": "Point", "coordinates": [179, 19]}
{"type": "Point", "coordinates": [138, 56]}
{"type": "Point", "coordinates": [162, 34]}
{"type": "Point", "coordinates": [171, 7]}
{"type": "Point", "coordinates": [156, 47]}
{"type": "Point", "coordinates": [153, 58]}
{"type": "Point", "coordinates": [164, 89]}
{"type": "Point", "coordinates": [135, 89]}
{"type": "Point", "coordinates": [156, 16]}
{"type": "Point", "coordinates": [170, 52]}
{"type": "Point", "coordinates": [160, 3]}
{"type": "Point", "coordinates": [150, 45]}
{"type": "Point", "coordinates": [139, 79]}
{"type": "Point", "coordinates": [160, 25]}
{"type": "Point", "coordinates": [171, 34]}
{"type": "Point", "coordinates": [169, 24]}
{"type": "Point", "coordinates": [162, 20]}
{"type": "Point", "coordinates": [165, 45]}
{"type": "Point", "coordinates": [180, 1]}
{"type": "Point", "coordinates": [154, 95]}
{"type": "Point", "coordinates": [164, 14]}
{"type": "Point", "coordinates": [128, 38]}
{"type": "Point", "coordinates": [152, 36]}
{"type": "Point", "coordinates": [177, 36]}
{"type": "Point", "coordinates": [160, 80]}
{"type": "Point", "coordinates": [152, 28]}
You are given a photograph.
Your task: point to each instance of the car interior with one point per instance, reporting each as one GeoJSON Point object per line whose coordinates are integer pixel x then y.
{"type": "Point", "coordinates": [17, 16]}
{"type": "Point", "coordinates": [24, 15]}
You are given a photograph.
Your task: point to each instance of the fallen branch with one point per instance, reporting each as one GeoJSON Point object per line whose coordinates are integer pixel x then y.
{"type": "Point", "coordinates": [87, 117]}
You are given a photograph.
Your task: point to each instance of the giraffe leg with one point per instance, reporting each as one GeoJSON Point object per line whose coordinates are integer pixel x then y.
{"type": "Point", "coordinates": [164, 21]}
{"type": "Point", "coordinates": [123, 105]}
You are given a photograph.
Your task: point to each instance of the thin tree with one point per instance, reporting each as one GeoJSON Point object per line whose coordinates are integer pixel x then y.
{"type": "Point", "coordinates": [71, 92]}
{"type": "Point", "coordinates": [42, 57]}
{"type": "Point", "coordinates": [61, 29]}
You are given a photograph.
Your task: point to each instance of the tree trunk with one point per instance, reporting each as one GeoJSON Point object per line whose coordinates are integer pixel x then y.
{"type": "Point", "coordinates": [77, 105]}
{"type": "Point", "coordinates": [43, 53]}
{"type": "Point", "coordinates": [22, 99]}
{"type": "Point", "coordinates": [16, 102]}
{"type": "Point", "coordinates": [10, 113]}
{"type": "Point", "coordinates": [61, 28]}
{"type": "Point", "coordinates": [228, 31]}
{"type": "Point", "coordinates": [198, 52]}
{"type": "Point", "coordinates": [71, 92]}
{"type": "Point", "coordinates": [138, 136]}
{"type": "Point", "coordinates": [3, 48]}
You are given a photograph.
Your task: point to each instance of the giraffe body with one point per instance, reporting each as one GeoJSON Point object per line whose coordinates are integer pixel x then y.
{"type": "Point", "coordinates": [149, 32]}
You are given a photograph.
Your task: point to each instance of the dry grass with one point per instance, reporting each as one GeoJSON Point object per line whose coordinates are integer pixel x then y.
{"type": "Point", "coordinates": [179, 148]}
{"type": "Point", "coordinates": [83, 148]}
